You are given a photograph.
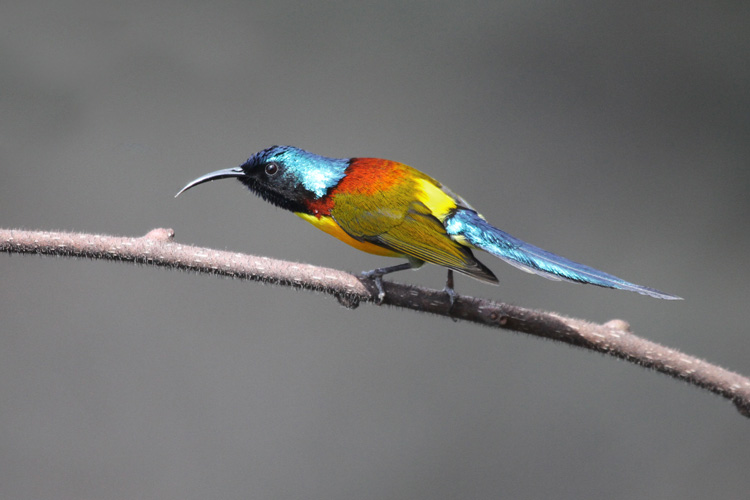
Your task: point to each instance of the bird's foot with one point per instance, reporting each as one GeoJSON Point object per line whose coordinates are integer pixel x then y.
{"type": "Point", "coordinates": [377, 276]}
{"type": "Point", "coordinates": [381, 292]}
{"type": "Point", "coordinates": [451, 294]}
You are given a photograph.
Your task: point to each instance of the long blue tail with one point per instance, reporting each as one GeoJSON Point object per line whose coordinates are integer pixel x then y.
{"type": "Point", "coordinates": [479, 233]}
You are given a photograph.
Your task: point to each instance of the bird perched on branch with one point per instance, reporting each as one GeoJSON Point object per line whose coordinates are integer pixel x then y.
{"type": "Point", "coordinates": [387, 208]}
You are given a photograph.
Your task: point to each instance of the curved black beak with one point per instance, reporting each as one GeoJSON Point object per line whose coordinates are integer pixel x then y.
{"type": "Point", "coordinates": [219, 174]}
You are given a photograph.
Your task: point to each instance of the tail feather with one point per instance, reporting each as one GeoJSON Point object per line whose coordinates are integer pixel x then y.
{"type": "Point", "coordinates": [478, 232]}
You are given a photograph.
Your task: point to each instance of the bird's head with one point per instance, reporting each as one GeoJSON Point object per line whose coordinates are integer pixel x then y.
{"type": "Point", "coordinates": [284, 175]}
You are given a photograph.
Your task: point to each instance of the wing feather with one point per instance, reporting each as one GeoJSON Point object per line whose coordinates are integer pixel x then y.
{"type": "Point", "coordinates": [411, 229]}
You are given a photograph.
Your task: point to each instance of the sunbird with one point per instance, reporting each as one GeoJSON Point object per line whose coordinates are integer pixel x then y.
{"type": "Point", "coordinates": [387, 208]}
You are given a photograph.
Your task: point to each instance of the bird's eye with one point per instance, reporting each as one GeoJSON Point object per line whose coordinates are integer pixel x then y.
{"type": "Point", "coordinates": [271, 168]}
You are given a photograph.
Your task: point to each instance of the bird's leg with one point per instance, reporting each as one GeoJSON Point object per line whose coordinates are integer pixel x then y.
{"type": "Point", "coordinates": [377, 276]}
{"type": "Point", "coordinates": [450, 291]}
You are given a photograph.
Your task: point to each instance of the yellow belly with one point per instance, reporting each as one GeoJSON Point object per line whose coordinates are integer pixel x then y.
{"type": "Point", "coordinates": [328, 225]}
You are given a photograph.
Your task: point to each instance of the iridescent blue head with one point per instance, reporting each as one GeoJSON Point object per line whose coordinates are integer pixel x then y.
{"type": "Point", "coordinates": [284, 175]}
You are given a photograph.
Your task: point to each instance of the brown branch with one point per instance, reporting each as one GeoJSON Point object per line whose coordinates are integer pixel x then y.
{"type": "Point", "coordinates": [613, 338]}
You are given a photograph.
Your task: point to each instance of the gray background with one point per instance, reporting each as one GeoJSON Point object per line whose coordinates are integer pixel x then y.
{"type": "Point", "coordinates": [614, 133]}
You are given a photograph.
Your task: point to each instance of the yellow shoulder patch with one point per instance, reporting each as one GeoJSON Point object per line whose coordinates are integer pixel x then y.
{"type": "Point", "coordinates": [433, 197]}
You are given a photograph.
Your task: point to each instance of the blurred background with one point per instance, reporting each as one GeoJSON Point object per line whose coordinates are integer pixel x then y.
{"type": "Point", "coordinates": [613, 133]}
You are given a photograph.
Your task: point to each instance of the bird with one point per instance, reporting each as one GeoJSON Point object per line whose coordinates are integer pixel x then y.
{"type": "Point", "coordinates": [390, 209]}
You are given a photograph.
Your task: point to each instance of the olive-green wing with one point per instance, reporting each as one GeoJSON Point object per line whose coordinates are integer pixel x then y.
{"type": "Point", "coordinates": [406, 227]}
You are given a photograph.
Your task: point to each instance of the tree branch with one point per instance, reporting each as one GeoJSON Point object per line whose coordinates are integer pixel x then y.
{"type": "Point", "coordinates": [614, 338]}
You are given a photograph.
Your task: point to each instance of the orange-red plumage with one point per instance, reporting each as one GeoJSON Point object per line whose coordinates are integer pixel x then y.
{"type": "Point", "coordinates": [364, 176]}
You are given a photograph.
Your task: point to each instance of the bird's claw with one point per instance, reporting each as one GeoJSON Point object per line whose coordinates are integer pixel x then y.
{"type": "Point", "coordinates": [451, 297]}
{"type": "Point", "coordinates": [381, 292]}
{"type": "Point", "coordinates": [377, 276]}
{"type": "Point", "coordinates": [451, 301]}
{"type": "Point", "coordinates": [377, 279]}
{"type": "Point", "coordinates": [451, 294]}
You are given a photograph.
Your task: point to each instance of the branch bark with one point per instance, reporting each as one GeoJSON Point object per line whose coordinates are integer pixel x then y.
{"type": "Point", "coordinates": [614, 338]}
